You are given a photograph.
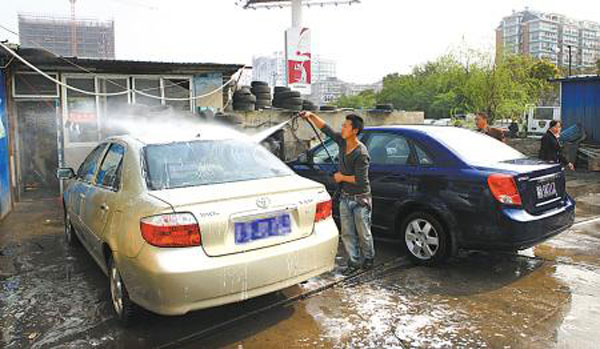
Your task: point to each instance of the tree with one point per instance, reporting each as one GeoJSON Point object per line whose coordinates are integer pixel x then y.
{"type": "Point", "coordinates": [363, 100]}
{"type": "Point", "coordinates": [446, 86]}
{"type": "Point", "coordinates": [598, 66]}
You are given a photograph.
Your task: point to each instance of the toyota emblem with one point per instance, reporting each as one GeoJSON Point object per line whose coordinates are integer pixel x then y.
{"type": "Point", "coordinates": [263, 202]}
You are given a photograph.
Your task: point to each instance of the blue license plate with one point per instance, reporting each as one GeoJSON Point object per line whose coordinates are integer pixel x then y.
{"type": "Point", "coordinates": [262, 228]}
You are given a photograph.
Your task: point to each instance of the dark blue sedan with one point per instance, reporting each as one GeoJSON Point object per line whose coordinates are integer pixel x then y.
{"type": "Point", "coordinates": [440, 189]}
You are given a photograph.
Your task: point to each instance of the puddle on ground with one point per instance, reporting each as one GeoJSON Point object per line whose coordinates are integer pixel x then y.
{"type": "Point", "coordinates": [56, 301]}
{"type": "Point", "coordinates": [580, 245]}
{"type": "Point", "coordinates": [480, 301]}
{"type": "Point", "coordinates": [581, 324]}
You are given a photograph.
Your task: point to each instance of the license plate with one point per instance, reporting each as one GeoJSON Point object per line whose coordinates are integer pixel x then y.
{"type": "Point", "coordinates": [262, 228]}
{"type": "Point", "coordinates": [546, 190]}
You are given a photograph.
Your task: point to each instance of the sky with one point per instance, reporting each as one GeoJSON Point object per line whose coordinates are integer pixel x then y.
{"type": "Point", "coordinates": [367, 40]}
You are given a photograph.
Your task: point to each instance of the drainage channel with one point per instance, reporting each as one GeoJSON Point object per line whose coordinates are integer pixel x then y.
{"type": "Point", "coordinates": [360, 277]}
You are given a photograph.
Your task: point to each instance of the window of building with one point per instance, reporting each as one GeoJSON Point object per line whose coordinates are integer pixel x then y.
{"type": "Point", "coordinates": [32, 85]}
{"type": "Point", "coordinates": [177, 88]}
{"type": "Point", "coordinates": [81, 114]}
{"type": "Point", "coordinates": [148, 86]}
{"type": "Point", "coordinates": [112, 108]}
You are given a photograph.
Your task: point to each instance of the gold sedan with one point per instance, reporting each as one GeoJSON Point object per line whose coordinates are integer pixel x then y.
{"type": "Point", "coordinates": [186, 224]}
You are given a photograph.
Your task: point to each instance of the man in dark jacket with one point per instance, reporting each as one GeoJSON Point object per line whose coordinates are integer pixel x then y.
{"type": "Point", "coordinates": [551, 147]}
{"type": "Point", "coordinates": [481, 121]}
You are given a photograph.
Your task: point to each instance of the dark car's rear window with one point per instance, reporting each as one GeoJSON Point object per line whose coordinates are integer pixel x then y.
{"type": "Point", "coordinates": [185, 164]}
{"type": "Point", "coordinates": [474, 147]}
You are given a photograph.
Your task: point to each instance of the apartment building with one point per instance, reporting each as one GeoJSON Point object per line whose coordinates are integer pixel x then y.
{"type": "Point", "coordinates": [64, 37]}
{"type": "Point", "coordinates": [554, 37]}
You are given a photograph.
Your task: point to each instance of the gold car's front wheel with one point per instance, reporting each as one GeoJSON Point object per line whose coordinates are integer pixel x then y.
{"type": "Point", "coordinates": [122, 305]}
{"type": "Point", "coordinates": [70, 236]}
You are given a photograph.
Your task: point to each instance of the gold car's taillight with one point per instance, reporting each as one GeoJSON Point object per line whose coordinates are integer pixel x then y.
{"type": "Point", "coordinates": [323, 210]}
{"type": "Point", "coordinates": [171, 230]}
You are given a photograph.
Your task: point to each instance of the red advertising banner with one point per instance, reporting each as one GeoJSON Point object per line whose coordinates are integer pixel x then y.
{"type": "Point", "coordinates": [298, 58]}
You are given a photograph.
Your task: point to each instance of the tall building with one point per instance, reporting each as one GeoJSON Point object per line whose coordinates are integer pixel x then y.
{"type": "Point", "coordinates": [329, 90]}
{"type": "Point", "coordinates": [270, 69]}
{"type": "Point", "coordinates": [65, 37]}
{"type": "Point", "coordinates": [550, 36]}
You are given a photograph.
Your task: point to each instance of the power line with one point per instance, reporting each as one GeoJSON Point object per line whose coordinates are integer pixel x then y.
{"type": "Point", "coordinates": [82, 68]}
{"type": "Point", "coordinates": [60, 83]}
{"type": "Point", "coordinates": [8, 30]}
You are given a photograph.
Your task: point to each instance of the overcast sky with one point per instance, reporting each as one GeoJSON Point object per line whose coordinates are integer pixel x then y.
{"type": "Point", "coordinates": [368, 40]}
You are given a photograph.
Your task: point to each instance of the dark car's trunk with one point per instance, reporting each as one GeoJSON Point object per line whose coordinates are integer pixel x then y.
{"type": "Point", "coordinates": [541, 185]}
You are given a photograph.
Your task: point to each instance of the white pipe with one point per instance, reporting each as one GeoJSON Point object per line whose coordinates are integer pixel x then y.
{"type": "Point", "coordinates": [296, 13]}
{"type": "Point", "coordinates": [90, 93]}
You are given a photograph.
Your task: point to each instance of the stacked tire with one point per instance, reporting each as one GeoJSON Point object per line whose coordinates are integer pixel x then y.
{"type": "Point", "coordinates": [244, 100]}
{"type": "Point", "coordinates": [328, 108]}
{"type": "Point", "coordinates": [285, 98]}
{"type": "Point", "coordinates": [262, 92]}
{"type": "Point", "coordinates": [309, 106]}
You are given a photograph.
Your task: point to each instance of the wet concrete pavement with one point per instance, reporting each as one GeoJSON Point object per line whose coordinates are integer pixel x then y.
{"type": "Point", "coordinates": [52, 295]}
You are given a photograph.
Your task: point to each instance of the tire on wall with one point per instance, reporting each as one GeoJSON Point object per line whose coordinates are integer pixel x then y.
{"type": "Point", "coordinates": [424, 239]}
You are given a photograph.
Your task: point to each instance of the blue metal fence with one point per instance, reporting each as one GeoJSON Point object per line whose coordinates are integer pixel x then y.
{"type": "Point", "coordinates": [5, 198]}
{"type": "Point", "coordinates": [581, 105]}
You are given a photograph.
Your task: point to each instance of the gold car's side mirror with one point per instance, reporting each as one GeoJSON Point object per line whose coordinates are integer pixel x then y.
{"type": "Point", "coordinates": [65, 173]}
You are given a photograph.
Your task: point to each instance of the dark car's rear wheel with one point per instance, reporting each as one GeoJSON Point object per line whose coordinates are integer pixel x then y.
{"type": "Point", "coordinates": [424, 239]}
{"type": "Point", "coordinates": [125, 309]}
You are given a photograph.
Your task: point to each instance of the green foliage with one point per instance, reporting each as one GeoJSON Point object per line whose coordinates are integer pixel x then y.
{"type": "Point", "coordinates": [446, 86]}
{"type": "Point", "coordinates": [598, 66]}
{"type": "Point", "coordinates": [363, 100]}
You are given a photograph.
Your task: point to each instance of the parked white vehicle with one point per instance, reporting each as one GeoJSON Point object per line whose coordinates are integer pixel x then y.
{"type": "Point", "coordinates": [539, 117]}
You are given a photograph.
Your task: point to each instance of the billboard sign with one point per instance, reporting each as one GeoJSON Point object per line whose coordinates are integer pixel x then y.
{"type": "Point", "coordinates": [298, 59]}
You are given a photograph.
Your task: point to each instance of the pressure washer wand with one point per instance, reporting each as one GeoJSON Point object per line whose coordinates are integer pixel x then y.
{"type": "Point", "coordinates": [318, 137]}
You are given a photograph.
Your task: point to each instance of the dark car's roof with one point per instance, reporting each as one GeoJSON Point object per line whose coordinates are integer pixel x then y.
{"type": "Point", "coordinates": [426, 129]}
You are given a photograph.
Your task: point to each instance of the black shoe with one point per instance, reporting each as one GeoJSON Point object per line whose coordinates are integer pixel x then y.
{"type": "Point", "coordinates": [368, 264]}
{"type": "Point", "coordinates": [350, 269]}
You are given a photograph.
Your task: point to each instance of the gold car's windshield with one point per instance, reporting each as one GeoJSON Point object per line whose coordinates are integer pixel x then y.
{"type": "Point", "coordinates": [186, 164]}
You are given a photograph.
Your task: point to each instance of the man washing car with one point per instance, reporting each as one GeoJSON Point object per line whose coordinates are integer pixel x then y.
{"type": "Point", "coordinates": [355, 201]}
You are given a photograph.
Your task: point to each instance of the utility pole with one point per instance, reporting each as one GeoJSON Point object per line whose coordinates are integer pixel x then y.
{"type": "Point", "coordinates": [569, 59]}
{"type": "Point", "coordinates": [296, 13]}
{"type": "Point", "coordinates": [73, 30]}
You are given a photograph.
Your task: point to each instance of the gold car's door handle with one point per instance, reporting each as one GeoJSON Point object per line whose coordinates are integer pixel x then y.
{"type": "Point", "coordinates": [104, 207]}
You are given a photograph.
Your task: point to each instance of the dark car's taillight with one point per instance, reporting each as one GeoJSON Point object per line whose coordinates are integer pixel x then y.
{"type": "Point", "coordinates": [323, 210]}
{"type": "Point", "coordinates": [171, 230]}
{"type": "Point", "coordinates": [504, 189]}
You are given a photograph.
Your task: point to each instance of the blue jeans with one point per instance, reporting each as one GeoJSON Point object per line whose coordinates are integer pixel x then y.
{"type": "Point", "coordinates": [356, 231]}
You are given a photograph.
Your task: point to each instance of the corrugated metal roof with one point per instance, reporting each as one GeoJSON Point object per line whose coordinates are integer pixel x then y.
{"type": "Point", "coordinates": [46, 60]}
{"type": "Point", "coordinates": [578, 78]}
